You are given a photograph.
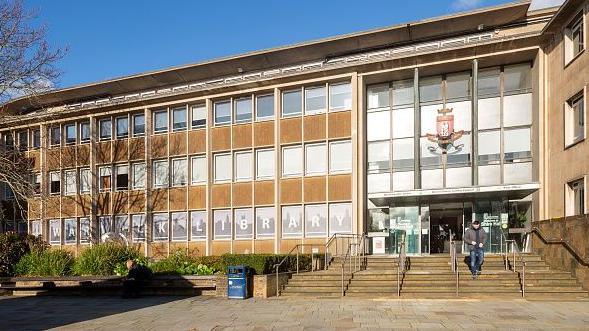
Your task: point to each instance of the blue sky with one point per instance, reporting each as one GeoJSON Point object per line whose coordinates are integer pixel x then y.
{"type": "Point", "coordinates": [108, 39]}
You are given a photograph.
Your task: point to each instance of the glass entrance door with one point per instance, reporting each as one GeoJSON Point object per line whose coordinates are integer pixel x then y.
{"type": "Point", "coordinates": [406, 226]}
{"type": "Point", "coordinates": [491, 214]}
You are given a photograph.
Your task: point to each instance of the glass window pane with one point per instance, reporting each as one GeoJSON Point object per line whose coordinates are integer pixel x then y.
{"type": "Point", "coordinates": [340, 156]}
{"type": "Point", "coordinates": [291, 103]}
{"type": "Point", "coordinates": [315, 221]}
{"type": "Point", "coordinates": [265, 222]}
{"type": "Point", "coordinates": [379, 156]}
{"type": "Point", "coordinates": [292, 222]}
{"type": "Point", "coordinates": [138, 175]}
{"type": "Point", "coordinates": [243, 110]}
{"type": "Point", "coordinates": [70, 182]}
{"type": "Point", "coordinates": [403, 119]}
{"type": "Point", "coordinates": [138, 124]}
{"type": "Point", "coordinates": [70, 134]}
{"type": "Point", "coordinates": [292, 161]}
{"type": "Point", "coordinates": [199, 116]}
{"type": "Point", "coordinates": [518, 173]}
{"type": "Point", "coordinates": [265, 165]}
{"type": "Point", "coordinates": [122, 127]}
{"type": "Point", "coordinates": [430, 89]}
{"type": "Point", "coordinates": [222, 224]}
{"type": "Point", "coordinates": [462, 115]}
{"type": "Point", "coordinates": [489, 113]}
{"type": "Point", "coordinates": [490, 175]}
{"type": "Point", "coordinates": [458, 86]}
{"type": "Point", "coordinates": [222, 167]}
{"type": "Point", "coordinates": [378, 126]}
{"type": "Point", "coordinates": [403, 180]}
{"type": "Point", "coordinates": [85, 131]}
{"type": "Point", "coordinates": [160, 121]}
{"type": "Point", "coordinates": [198, 225]}
{"type": "Point", "coordinates": [517, 109]}
{"type": "Point", "coordinates": [70, 231]}
{"type": "Point", "coordinates": [432, 178]}
{"type": "Point", "coordinates": [340, 218]}
{"type": "Point", "coordinates": [160, 227]}
{"type": "Point", "coordinates": [429, 115]}
{"type": "Point", "coordinates": [403, 93]}
{"type": "Point", "coordinates": [315, 99]}
{"type": "Point", "coordinates": [517, 78]}
{"type": "Point", "coordinates": [265, 106]}
{"type": "Point", "coordinates": [517, 144]}
{"type": "Point", "coordinates": [179, 118]}
{"type": "Point", "coordinates": [85, 180]}
{"type": "Point", "coordinates": [378, 96]}
{"type": "Point", "coordinates": [489, 147]}
{"type": "Point", "coordinates": [379, 182]}
{"type": "Point", "coordinates": [403, 154]}
{"type": "Point", "coordinates": [430, 154]}
{"type": "Point", "coordinates": [55, 133]}
{"type": "Point", "coordinates": [138, 230]}
{"type": "Point", "coordinates": [179, 172]}
{"type": "Point", "coordinates": [222, 112]}
{"type": "Point", "coordinates": [458, 177]}
{"type": "Point", "coordinates": [199, 169]}
{"type": "Point", "coordinates": [179, 226]}
{"type": "Point", "coordinates": [315, 159]}
{"type": "Point", "coordinates": [244, 223]}
{"type": "Point", "coordinates": [243, 166]}
{"type": "Point", "coordinates": [160, 173]}
{"type": "Point", "coordinates": [105, 129]}
{"type": "Point", "coordinates": [460, 153]}
{"type": "Point", "coordinates": [488, 82]}
{"type": "Point", "coordinates": [340, 96]}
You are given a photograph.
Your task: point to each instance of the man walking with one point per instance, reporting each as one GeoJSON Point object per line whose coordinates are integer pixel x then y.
{"type": "Point", "coordinates": [475, 237]}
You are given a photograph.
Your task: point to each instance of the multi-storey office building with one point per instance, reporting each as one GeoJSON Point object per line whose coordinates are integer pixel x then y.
{"type": "Point", "coordinates": [402, 133]}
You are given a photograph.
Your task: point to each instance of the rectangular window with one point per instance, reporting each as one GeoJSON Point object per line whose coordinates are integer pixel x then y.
{"type": "Point", "coordinates": [292, 222]}
{"type": "Point", "coordinates": [575, 119]}
{"type": "Point", "coordinates": [122, 127]}
{"type": "Point", "coordinates": [340, 96]}
{"type": "Point", "coordinates": [489, 144]}
{"type": "Point", "coordinates": [264, 106]}
{"type": "Point", "coordinates": [517, 78]}
{"type": "Point", "coordinates": [36, 138]}
{"type": "Point", "coordinates": [378, 96]}
{"type": "Point", "coordinates": [121, 225]}
{"type": "Point", "coordinates": [105, 128]}
{"type": "Point", "coordinates": [291, 103]}
{"type": "Point", "coordinates": [403, 119]}
{"type": "Point", "coordinates": [8, 140]}
{"type": "Point", "coordinates": [265, 165]}
{"type": "Point", "coordinates": [403, 158]}
{"type": "Point", "coordinates": [104, 226]}
{"type": "Point", "coordinates": [265, 222]}
{"type": "Point", "coordinates": [138, 227]}
{"type": "Point", "coordinates": [122, 177]}
{"type": "Point", "coordinates": [380, 125]}
{"type": "Point", "coordinates": [37, 183]}
{"type": "Point", "coordinates": [222, 224]}
{"type": "Point", "coordinates": [55, 135]}
{"type": "Point", "coordinates": [379, 156]}
{"type": "Point", "coordinates": [222, 111]}
{"type": "Point", "coordinates": [55, 232]}
{"type": "Point", "coordinates": [315, 221]}
{"type": "Point", "coordinates": [575, 203]}
{"type": "Point", "coordinates": [160, 173]}
{"type": "Point", "coordinates": [574, 38]}
{"type": "Point", "coordinates": [243, 110]}
{"type": "Point", "coordinates": [105, 178]}
{"type": "Point", "coordinates": [70, 134]}
{"type": "Point", "coordinates": [160, 121]}
{"type": "Point", "coordinates": [70, 182]}
{"type": "Point", "coordinates": [244, 223]}
{"type": "Point", "coordinates": [488, 82]}
{"type": "Point", "coordinates": [199, 116]}
{"type": "Point", "coordinates": [37, 228]}
{"type": "Point", "coordinates": [85, 180]}
{"type": "Point", "coordinates": [517, 145]}
{"type": "Point", "coordinates": [315, 100]}
{"type": "Point", "coordinates": [84, 132]}
{"type": "Point", "coordinates": [138, 125]}
{"type": "Point", "coordinates": [85, 230]}
{"type": "Point", "coordinates": [243, 166]}
{"type": "Point", "coordinates": [340, 218]}
{"type": "Point", "coordinates": [138, 175]}
{"type": "Point", "coordinates": [179, 226]}
{"type": "Point", "coordinates": [198, 170]}
{"type": "Point", "coordinates": [54, 183]}
{"type": "Point", "coordinates": [70, 231]}
{"type": "Point", "coordinates": [403, 93]}
{"type": "Point", "coordinates": [23, 140]}
{"type": "Point", "coordinates": [430, 89]}
{"type": "Point", "coordinates": [292, 161]}
{"type": "Point", "coordinates": [315, 159]}
{"type": "Point", "coordinates": [179, 172]}
{"type": "Point", "coordinates": [222, 167]}
{"type": "Point", "coordinates": [340, 156]}
{"type": "Point", "coordinates": [458, 86]}
{"type": "Point", "coordinates": [179, 118]}
{"type": "Point", "coordinates": [198, 225]}
{"type": "Point", "coordinates": [160, 227]}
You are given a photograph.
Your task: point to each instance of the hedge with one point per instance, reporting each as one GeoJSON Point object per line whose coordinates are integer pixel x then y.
{"type": "Point", "coordinates": [102, 259]}
{"type": "Point", "coordinates": [13, 247]}
{"type": "Point", "coordinates": [48, 262]}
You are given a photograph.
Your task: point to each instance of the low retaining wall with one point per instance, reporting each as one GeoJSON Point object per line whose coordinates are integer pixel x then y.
{"type": "Point", "coordinates": [262, 286]}
{"type": "Point", "coordinates": [575, 230]}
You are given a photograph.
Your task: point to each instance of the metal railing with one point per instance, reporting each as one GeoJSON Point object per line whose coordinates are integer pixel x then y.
{"type": "Point", "coordinates": [356, 251]}
{"type": "Point", "coordinates": [337, 244]}
{"type": "Point", "coordinates": [516, 255]}
{"type": "Point", "coordinates": [298, 252]}
{"type": "Point", "coordinates": [567, 245]}
{"type": "Point", "coordinates": [401, 266]}
{"type": "Point", "coordinates": [454, 262]}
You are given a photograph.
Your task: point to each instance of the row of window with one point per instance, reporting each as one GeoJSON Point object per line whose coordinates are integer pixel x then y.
{"type": "Point", "coordinates": [238, 166]}
{"type": "Point", "coordinates": [310, 221]}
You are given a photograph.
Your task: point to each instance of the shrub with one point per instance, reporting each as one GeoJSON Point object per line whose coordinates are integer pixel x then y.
{"type": "Point", "coordinates": [264, 263]}
{"type": "Point", "coordinates": [102, 259]}
{"type": "Point", "coordinates": [48, 262]}
{"type": "Point", "coordinates": [180, 263]}
{"type": "Point", "coordinates": [14, 246]}
{"type": "Point", "coordinates": [121, 267]}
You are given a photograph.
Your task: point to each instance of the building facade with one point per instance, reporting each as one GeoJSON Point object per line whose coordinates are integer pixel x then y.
{"type": "Point", "coordinates": [406, 133]}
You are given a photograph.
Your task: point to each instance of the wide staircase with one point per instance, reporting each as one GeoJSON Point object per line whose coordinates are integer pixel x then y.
{"type": "Point", "coordinates": [432, 277]}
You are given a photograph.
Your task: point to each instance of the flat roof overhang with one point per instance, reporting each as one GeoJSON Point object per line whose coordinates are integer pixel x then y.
{"type": "Point", "coordinates": [510, 191]}
{"type": "Point", "coordinates": [438, 27]}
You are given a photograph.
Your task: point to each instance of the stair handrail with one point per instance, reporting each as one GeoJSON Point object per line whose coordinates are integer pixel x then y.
{"type": "Point", "coordinates": [346, 257]}
{"type": "Point", "coordinates": [516, 251]}
{"type": "Point", "coordinates": [454, 262]}
{"type": "Point", "coordinates": [553, 241]}
{"type": "Point", "coordinates": [333, 239]}
{"type": "Point", "coordinates": [296, 247]}
{"type": "Point", "coordinates": [505, 251]}
{"type": "Point", "coordinates": [401, 265]}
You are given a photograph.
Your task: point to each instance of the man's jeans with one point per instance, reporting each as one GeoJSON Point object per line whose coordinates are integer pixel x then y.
{"type": "Point", "coordinates": [476, 259]}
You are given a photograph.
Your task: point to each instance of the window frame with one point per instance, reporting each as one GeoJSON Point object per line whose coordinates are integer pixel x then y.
{"type": "Point", "coordinates": [154, 169]}
{"type": "Point", "coordinates": [569, 106]}
{"type": "Point", "coordinates": [568, 33]}
{"type": "Point", "coordinates": [223, 180]}
{"type": "Point", "coordinates": [325, 98]}
{"type": "Point", "coordinates": [81, 181]}
{"type": "Point", "coordinates": [101, 186]}
{"type": "Point", "coordinates": [81, 138]}
{"type": "Point", "coordinates": [302, 102]}
{"type": "Point", "coordinates": [326, 156]}
{"type": "Point", "coordinates": [116, 176]}
{"type": "Point", "coordinates": [19, 135]}
{"type": "Point", "coordinates": [265, 177]}
{"type": "Point", "coordinates": [51, 181]}
{"type": "Point", "coordinates": [133, 176]}
{"type": "Point", "coordinates": [251, 166]}
{"type": "Point", "coordinates": [329, 103]}
{"type": "Point", "coordinates": [100, 136]}
{"type": "Point", "coordinates": [35, 144]}
{"type": "Point", "coordinates": [256, 102]}
{"type": "Point", "coordinates": [174, 111]}
{"type": "Point", "coordinates": [75, 182]}
{"type": "Point", "coordinates": [173, 173]}
{"type": "Point", "coordinates": [301, 163]}
{"type": "Point", "coordinates": [226, 101]}
{"type": "Point", "coordinates": [51, 135]}
{"type": "Point", "coordinates": [192, 111]}
{"type": "Point", "coordinates": [329, 158]}
{"type": "Point", "coordinates": [197, 182]}
{"type": "Point", "coordinates": [161, 130]}
{"type": "Point", "coordinates": [571, 198]}
{"type": "Point", "coordinates": [125, 135]}
{"type": "Point", "coordinates": [133, 117]}
{"type": "Point", "coordinates": [251, 109]}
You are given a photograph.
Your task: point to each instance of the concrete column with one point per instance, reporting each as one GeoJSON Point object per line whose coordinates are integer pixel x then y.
{"type": "Point", "coordinates": [474, 123]}
{"type": "Point", "coordinates": [416, 130]}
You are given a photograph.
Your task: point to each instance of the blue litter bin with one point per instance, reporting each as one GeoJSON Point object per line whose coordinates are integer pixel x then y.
{"type": "Point", "coordinates": [238, 282]}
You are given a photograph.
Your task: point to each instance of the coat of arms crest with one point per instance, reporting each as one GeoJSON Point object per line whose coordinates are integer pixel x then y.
{"type": "Point", "coordinates": [445, 136]}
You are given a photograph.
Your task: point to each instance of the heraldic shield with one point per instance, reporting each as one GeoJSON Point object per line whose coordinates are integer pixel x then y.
{"type": "Point", "coordinates": [445, 135]}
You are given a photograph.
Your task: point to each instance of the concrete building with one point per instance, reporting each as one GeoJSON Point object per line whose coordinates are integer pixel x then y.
{"type": "Point", "coordinates": [405, 133]}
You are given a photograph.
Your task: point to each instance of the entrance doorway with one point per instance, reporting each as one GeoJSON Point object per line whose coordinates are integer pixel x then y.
{"type": "Point", "coordinates": [446, 222]}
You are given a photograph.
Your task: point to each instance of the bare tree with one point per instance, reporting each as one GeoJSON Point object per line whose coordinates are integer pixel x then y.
{"type": "Point", "coordinates": [27, 69]}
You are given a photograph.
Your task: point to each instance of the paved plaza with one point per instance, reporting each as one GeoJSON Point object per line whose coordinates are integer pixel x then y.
{"type": "Point", "coordinates": [210, 313]}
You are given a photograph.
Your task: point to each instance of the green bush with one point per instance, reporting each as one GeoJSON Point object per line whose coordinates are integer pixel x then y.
{"type": "Point", "coordinates": [180, 263]}
{"type": "Point", "coordinates": [102, 259]}
{"type": "Point", "coordinates": [50, 262]}
{"type": "Point", "coordinates": [264, 263]}
{"type": "Point", "coordinates": [121, 267]}
{"type": "Point", "coordinates": [14, 246]}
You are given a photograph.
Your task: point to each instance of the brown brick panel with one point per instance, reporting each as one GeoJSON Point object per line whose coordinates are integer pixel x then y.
{"type": "Point", "coordinates": [159, 250]}
{"type": "Point", "coordinates": [52, 207]}
{"type": "Point", "coordinates": [264, 133]}
{"type": "Point", "coordinates": [242, 194]}
{"type": "Point", "coordinates": [178, 246]}
{"type": "Point", "coordinates": [340, 125]}
{"type": "Point", "coordinates": [103, 204]}
{"type": "Point", "coordinates": [197, 248]}
{"type": "Point", "coordinates": [34, 208]}
{"type": "Point", "coordinates": [221, 196]}
{"type": "Point", "coordinates": [314, 127]}
{"type": "Point", "coordinates": [159, 146]}
{"type": "Point", "coordinates": [264, 246]}
{"type": "Point", "coordinates": [120, 201]}
{"type": "Point", "coordinates": [83, 155]}
{"type": "Point", "coordinates": [291, 190]}
{"type": "Point", "coordinates": [287, 244]}
{"type": "Point", "coordinates": [314, 188]}
{"type": "Point", "coordinates": [53, 159]}
{"type": "Point", "coordinates": [159, 199]}
{"type": "Point", "coordinates": [340, 187]}
{"type": "Point", "coordinates": [35, 159]}
{"type": "Point", "coordinates": [290, 130]}
{"type": "Point", "coordinates": [242, 136]}
{"type": "Point", "coordinates": [197, 197]}
{"type": "Point", "coordinates": [136, 201]}
{"type": "Point", "coordinates": [137, 148]}
{"type": "Point", "coordinates": [221, 138]}
{"type": "Point", "coordinates": [178, 198]}
{"type": "Point", "coordinates": [197, 142]}
{"type": "Point", "coordinates": [84, 203]}
{"type": "Point", "coordinates": [219, 247]}
{"type": "Point", "coordinates": [243, 246]}
{"type": "Point", "coordinates": [68, 206]}
{"type": "Point", "coordinates": [120, 150]}
{"type": "Point", "coordinates": [264, 192]}
{"type": "Point", "coordinates": [103, 152]}
{"type": "Point", "coordinates": [178, 143]}
{"type": "Point", "coordinates": [68, 156]}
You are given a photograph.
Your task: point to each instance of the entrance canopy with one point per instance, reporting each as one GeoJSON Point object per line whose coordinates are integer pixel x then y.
{"type": "Point", "coordinates": [511, 192]}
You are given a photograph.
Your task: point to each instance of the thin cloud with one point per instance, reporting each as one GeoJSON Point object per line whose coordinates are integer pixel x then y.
{"type": "Point", "coordinates": [466, 4]}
